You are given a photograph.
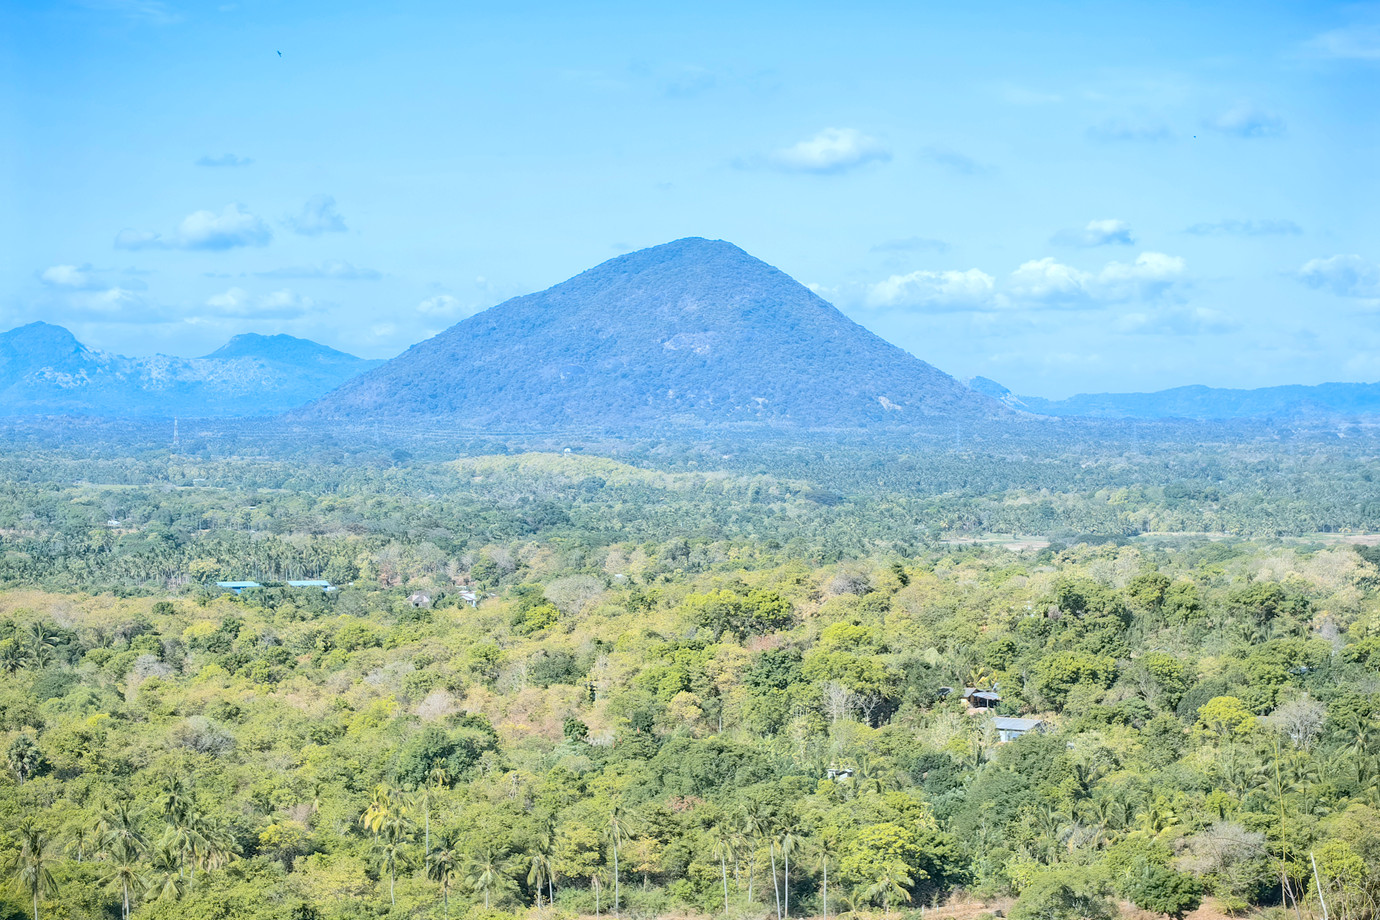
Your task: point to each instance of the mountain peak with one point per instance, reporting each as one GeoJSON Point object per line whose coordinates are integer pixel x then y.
{"type": "Point", "coordinates": [694, 331]}
{"type": "Point", "coordinates": [41, 335]}
{"type": "Point", "coordinates": [281, 348]}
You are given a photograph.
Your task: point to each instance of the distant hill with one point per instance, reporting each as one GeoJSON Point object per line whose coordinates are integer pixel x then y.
{"type": "Point", "coordinates": [1201, 402]}
{"type": "Point", "coordinates": [694, 332]}
{"type": "Point", "coordinates": [45, 370]}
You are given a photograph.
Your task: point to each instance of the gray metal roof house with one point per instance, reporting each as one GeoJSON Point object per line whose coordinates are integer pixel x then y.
{"type": "Point", "coordinates": [1010, 728]}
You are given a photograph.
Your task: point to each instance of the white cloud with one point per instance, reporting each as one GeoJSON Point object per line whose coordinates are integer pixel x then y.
{"type": "Point", "coordinates": [282, 304]}
{"type": "Point", "coordinates": [69, 276]}
{"type": "Point", "coordinates": [1248, 121]}
{"type": "Point", "coordinates": [229, 229]}
{"type": "Point", "coordinates": [318, 216]}
{"type": "Point", "coordinates": [831, 150]}
{"type": "Point", "coordinates": [943, 290]}
{"type": "Point", "coordinates": [1343, 275]}
{"type": "Point", "coordinates": [226, 230]}
{"type": "Point", "coordinates": [1097, 233]}
{"type": "Point", "coordinates": [1052, 283]}
{"type": "Point", "coordinates": [1149, 276]}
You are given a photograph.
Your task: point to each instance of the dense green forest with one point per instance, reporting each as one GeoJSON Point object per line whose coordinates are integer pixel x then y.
{"type": "Point", "coordinates": [715, 680]}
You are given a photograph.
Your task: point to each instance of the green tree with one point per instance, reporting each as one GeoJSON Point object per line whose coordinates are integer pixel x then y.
{"type": "Point", "coordinates": [441, 866]}
{"type": "Point", "coordinates": [1162, 890]}
{"type": "Point", "coordinates": [1062, 894]}
{"type": "Point", "coordinates": [32, 867]}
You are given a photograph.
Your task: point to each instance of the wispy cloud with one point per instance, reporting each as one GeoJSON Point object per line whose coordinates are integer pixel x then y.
{"type": "Point", "coordinates": [318, 216]}
{"type": "Point", "coordinates": [1176, 320]}
{"type": "Point", "coordinates": [330, 270]}
{"type": "Point", "coordinates": [688, 80]}
{"type": "Point", "coordinates": [954, 161]}
{"type": "Point", "coordinates": [1246, 228]}
{"type": "Point", "coordinates": [832, 150]}
{"type": "Point", "coordinates": [229, 229]}
{"type": "Point", "coordinates": [1097, 233]}
{"type": "Point", "coordinates": [224, 160]}
{"type": "Point", "coordinates": [1248, 121]}
{"type": "Point", "coordinates": [150, 11]}
{"type": "Point", "coordinates": [1119, 131]}
{"type": "Point", "coordinates": [1343, 275]}
{"type": "Point", "coordinates": [1024, 95]}
{"type": "Point", "coordinates": [1357, 42]}
{"type": "Point", "coordinates": [912, 244]}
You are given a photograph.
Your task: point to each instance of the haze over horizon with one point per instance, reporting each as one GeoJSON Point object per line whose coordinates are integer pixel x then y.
{"type": "Point", "coordinates": [1063, 200]}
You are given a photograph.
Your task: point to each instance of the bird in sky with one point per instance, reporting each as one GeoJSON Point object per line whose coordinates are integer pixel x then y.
{"type": "Point", "coordinates": [280, 54]}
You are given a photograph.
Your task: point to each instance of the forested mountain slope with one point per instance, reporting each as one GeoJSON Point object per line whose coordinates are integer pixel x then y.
{"type": "Point", "coordinates": [694, 332]}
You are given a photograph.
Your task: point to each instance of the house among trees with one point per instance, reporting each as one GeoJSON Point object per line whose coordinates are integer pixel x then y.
{"type": "Point", "coordinates": [981, 699]}
{"type": "Point", "coordinates": [238, 586]}
{"type": "Point", "coordinates": [313, 583]}
{"type": "Point", "coordinates": [420, 600]}
{"type": "Point", "coordinates": [1010, 728]}
{"type": "Point", "coordinates": [976, 699]}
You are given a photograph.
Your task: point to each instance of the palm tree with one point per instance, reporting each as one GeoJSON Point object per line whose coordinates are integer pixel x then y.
{"type": "Point", "coordinates": [124, 871]}
{"type": "Point", "coordinates": [120, 830]}
{"type": "Point", "coordinates": [775, 882]}
{"type": "Point", "coordinates": [167, 874]}
{"type": "Point", "coordinates": [790, 840]}
{"type": "Point", "coordinates": [389, 846]}
{"type": "Point", "coordinates": [617, 830]}
{"type": "Point", "coordinates": [540, 871]}
{"type": "Point", "coordinates": [484, 871]}
{"type": "Point", "coordinates": [175, 801]}
{"type": "Point", "coordinates": [754, 826]}
{"type": "Point", "coordinates": [440, 866]}
{"type": "Point", "coordinates": [425, 795]}
{"type": "Point", "coordinates": [379, 811]}
{"type": "Point", "coordinates": [31, 867]}
{"type": "Point", "coordinates": [828, 839]}
{"type": "Point", "coordinates": [892, 880]}
{"type": "Point", "coordinates": [723, 851]}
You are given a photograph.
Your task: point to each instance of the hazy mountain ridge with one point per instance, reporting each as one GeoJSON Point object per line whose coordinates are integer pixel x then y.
{"type": "Point", "coordinates": [693, 332]}
{"type": "Point", "coordinates": [1210, 403]}
{"type": "Point", "coordinates": [45, 369]}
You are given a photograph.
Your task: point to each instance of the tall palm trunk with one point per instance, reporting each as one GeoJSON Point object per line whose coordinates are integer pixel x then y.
{"type": "Point", "coordinates": [615, 876]}
{"type": "Point", "coordinates": [785, 855]}
{"type": "Point", "coordinates": [826, 886]}
{"type": "Point", "coordinates": [723, 865]}
{"type": "Point", "coordinates": [775, 882]}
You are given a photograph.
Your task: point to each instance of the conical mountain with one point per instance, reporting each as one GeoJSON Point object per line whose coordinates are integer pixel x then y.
{"type": "Point", "coordinates": [695, 331]}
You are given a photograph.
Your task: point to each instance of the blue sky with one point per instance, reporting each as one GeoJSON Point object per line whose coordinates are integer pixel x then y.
{"type": "Point", "coordinates": [1063, 197]}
